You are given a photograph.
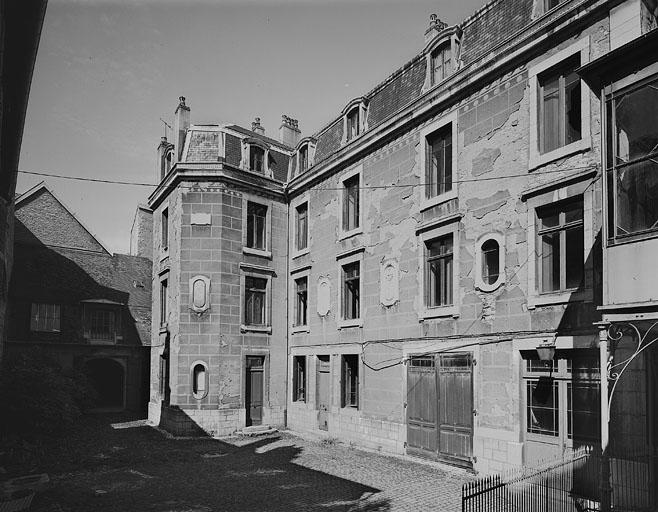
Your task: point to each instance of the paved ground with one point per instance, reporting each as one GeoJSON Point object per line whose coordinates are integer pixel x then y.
{"type": "Point", "coordinates": [101, 468]}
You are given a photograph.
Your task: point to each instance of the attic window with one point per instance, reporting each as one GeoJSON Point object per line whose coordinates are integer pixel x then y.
{"type": "Point", "coordinates": [354, 119]}
{"type": "Point", "coordinates": [441, 62]}
{"type": "Point", "coordinates": [303, 158]}
{"type": "Point", "coordinates": [441, 53]}
{"type": "Point", "coordinates": [256, 159]}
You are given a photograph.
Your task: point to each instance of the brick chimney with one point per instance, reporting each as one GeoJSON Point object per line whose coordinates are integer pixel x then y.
{"type": "Point", "coordinates": [181, 124]}
{"type": "Point", "coordinates": [436, 26]}
{"type": "Point", "coordinates": [256, 127]}
{"type": "Point", "coordinates": [289, 133]}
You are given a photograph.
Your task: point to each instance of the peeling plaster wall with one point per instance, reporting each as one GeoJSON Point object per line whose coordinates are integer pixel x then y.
{"type": "Point", "coordinates": [493, 162]}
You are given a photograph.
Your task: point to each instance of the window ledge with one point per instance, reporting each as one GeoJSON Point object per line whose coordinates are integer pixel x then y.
{"type": "Point", "coordinates": [296, 329]}
{"type": "Point", "coordinates": [347, 234]}
{"type": "Point", "coordinates": [538, 160]}
{"type": "Point", "coordinates": [265, 329]}
{"type": "Point", "coordinates": [302, 252]}
{"type": "Point", "coordinates": [355, 322]}
{"type": "Point", "coordinates": [101, 342]}
{"type": "Point", "coordinates": [164, 254]}
{"type": "Point", "coordinates": [439, 312]}
{"type": "Point", "coordinates": [549, 299]}
{"type": "Point", "coordinates": [426, 203]}
{"type": "Point", "coordinates": [257, 252]}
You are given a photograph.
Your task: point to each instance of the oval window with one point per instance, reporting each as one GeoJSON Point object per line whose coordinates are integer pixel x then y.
{"type": "Point", "coordinates": [490, 261]}
{"type": "Point", "coordinates": [199, 380]}
{"type": "Point", "coordinates": [199, 293]}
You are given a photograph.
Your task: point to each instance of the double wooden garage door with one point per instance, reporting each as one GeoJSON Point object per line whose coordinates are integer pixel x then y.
{"type": "Point", "coordinates": [440, 407]}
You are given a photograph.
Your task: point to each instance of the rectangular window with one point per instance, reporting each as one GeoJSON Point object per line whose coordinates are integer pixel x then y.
{"type": "Point", "coordinates": [256, 158]}
{"type": "Point", "coordinates": [350, 381]}
{"type": "Point", "coordinates": [299, 379]}
{"type": "Point", "coordinates": [301, 301]}
{"type": "Point", "coordinates": [438, 271]}
{"type": "Point", "coordinates": [254, 301]}
{"type": "Point", "coordinates": [45, 318]}
{"type": "Point", "coordinates": [441, 64]}
{"type": "Point", "coordinates": [560, 120]}
{"type": "Point", "coordinates": [438, 175]}
{"type": "Point", "coordinates": [353, 127]}
{"type": "Point", "coordinates": [560, 246]}
{"type": "Point", "coordinates": [351, 203]}
{"type": "Point", "coordinates": [632, 161]}
{"type": "Point", "coordinates": [542, 406]}
{"type": "Point", "coordinates": [351, 285]}
{"type": "Point", "coordinates": [256, 227]}
{"type": "Point", "coordinates": [163, 302]}
{"type": "Point", "coordinates": [101, 325]}
{"type": "Point", "coordinates": [165, 229]}
{"type": "Point", "coordinates": [301, 238]}
{"type": "Point", "coordinates": [303, 158]}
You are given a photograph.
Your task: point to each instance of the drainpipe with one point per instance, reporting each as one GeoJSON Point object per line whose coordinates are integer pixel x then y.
{"type": "Point", "coordinates": [604, 355]}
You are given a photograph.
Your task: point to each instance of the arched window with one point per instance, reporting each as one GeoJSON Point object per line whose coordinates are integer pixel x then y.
{"type": "Point", "coordinates": [490, 261]}
{"type": "Point", "coordinates": [199, 380]}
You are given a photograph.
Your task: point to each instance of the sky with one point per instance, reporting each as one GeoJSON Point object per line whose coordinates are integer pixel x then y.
{"type": "Point", "coordinates": [107, 71]}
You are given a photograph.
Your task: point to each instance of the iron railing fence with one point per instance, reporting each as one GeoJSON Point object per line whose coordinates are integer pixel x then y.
{"type": "Point", "coordinates": [569, 484]}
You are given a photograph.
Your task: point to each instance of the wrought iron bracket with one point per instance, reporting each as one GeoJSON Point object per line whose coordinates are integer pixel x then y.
{"type": "Point", "coordinates": [614, 370]}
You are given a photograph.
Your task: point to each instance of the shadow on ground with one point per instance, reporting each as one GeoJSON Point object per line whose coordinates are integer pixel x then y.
{"type": "Point", "coordinates": [99, 468]}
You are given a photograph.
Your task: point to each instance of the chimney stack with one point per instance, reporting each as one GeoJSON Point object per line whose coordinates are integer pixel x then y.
{"type": "Point", "coordinates": [436, 26]}
{"type": "Point", "coordinates": [163, 164]}
{"type": "Point", "coordinates": [256, 127]}
{"type": "Point", "coordinates": [289, 133]}
{"type": "Point", "coordinates": [181, 124]}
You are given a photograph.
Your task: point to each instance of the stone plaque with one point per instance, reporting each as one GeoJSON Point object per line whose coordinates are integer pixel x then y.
{"type": "Point", "coordinates": [389, 283]}
{"type": "Point", "coordinates": [324, 296]}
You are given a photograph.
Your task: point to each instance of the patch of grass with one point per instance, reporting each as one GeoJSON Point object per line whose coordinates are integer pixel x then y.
{"type": "Point", "coordinates": [328, 441]}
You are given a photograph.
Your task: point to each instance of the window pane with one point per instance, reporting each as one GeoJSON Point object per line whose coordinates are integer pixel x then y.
{"type": "Point", "coordinates": [583, 406]}
{"type": "Point", "coordinates": [351, 203]}
{"type": "Point", "coordinates": [551, 114]}
{"type": "Point", "coordinates": [541, 406]}
{"type": "Point", "coordinates": [550, 262]}
{"type": "Point", "coordinates": [575, 256]}
{"type": "Point", "coordinates": [302, 226]}
{"type": "Point", "coordinates": [256, 227]}
{"type": "Point", "coordinates": [572, 107]}
{"type": "Point", "coordinates": [438, 174]}
{"type": "Point", "coordinates": [637, 197]}
{"type": "Point", "coordinates": [636, 128]}
{"type": "Point", "coordinates": [573, 212]}
{"type": "Point", "coordinates": [490, 261]}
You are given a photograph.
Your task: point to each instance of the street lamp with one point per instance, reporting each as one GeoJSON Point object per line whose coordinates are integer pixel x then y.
{"type": "Point", "coordinates": [546, 350]}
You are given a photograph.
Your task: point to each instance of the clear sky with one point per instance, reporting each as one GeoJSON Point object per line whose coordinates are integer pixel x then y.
{"type": "Point", "coordinates": [107, 71]}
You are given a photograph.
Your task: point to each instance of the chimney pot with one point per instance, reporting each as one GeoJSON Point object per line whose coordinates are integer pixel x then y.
{"type": "Point", "coordinates": [435, 26]}
{"type": "Point", "coordinates": [256, 127]}
{"type": "Point", "coordinates": [289, 132]}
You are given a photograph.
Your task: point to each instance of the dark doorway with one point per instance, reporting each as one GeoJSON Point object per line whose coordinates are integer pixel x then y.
{"type": "Point", "coordinates": [323, 391]}
{"type": "Point", "coordinates": [254, 390]}
{"type": "Point", "coordinates": [107, 377]}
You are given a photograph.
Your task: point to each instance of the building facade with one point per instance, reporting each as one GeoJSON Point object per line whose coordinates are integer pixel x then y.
{"type": "Point", "coordinates": [439, 230]}
{"type": "Point", "coordinates": [73, 300]}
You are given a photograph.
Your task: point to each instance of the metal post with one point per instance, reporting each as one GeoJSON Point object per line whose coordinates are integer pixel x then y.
{"type": "Point", "coordinates": [604, 354]}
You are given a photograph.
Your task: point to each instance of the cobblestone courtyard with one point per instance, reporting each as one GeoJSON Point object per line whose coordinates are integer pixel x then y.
{"type": "Point", "coordinates": [102, 468]}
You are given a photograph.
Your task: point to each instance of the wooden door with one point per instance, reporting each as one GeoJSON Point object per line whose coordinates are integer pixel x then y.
{"type": "Point", "coordinates": [323, 391]}
{"type": "Point", "coordinates": [456, 408]}
{"type": "Point", "coordinates": [421, 406]}
{"type": "Point", "coordinates": [254, 390]}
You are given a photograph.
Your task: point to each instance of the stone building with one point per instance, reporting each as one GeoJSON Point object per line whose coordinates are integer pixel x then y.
{"type": "Point", "coordinates": [440, 229]}
{"type": "Point", "coordinates": [70, 298]}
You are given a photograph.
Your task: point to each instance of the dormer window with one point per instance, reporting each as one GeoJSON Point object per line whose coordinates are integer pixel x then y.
{"type": "Point", "coordinates": [441, 52]}
{"type": "Point", "coordinates": [354, 119]}
{"type": "Point", "coordinates": [256, 159]}
{"type": "Point", "coordinates": [303, 158]}
{"type": "Point", "coordinates": [441, 64]}
{"type": "Point", "coordinates": [353, 124]}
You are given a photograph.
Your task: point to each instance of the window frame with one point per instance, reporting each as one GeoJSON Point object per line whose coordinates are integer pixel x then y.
{"type": "Point", "coordinates": [115, 332]}
{"type": "Point", "coordinates": [622, 87]}
{"type": "Point", "coordinates": [349, 175]}
{"type": "Point", "coordinates": [164, 229]}
{"type": "Point", "coordinates": [164, 302]}
{"type": "Point", "coordinates": [343, 261]}
{"type": "Point", "coordinates": [266, 275]}
{"type": "Point", "coordinates": [193, 391]}
{"type": "Point", "coordinates": [245, 162]}
{"type": "Point", "coordinates": [442, 49]}
{"type": "Point", "coordinates": [267, 251]}
{"type": "Point", "coordinates": [56, 317]}
{"type": "Point", "coordinates": [427, 312]}
{"type": "Point", "coordinates": [480, 283]}
{"type": "Point", "coordinates": [296, 327]}
{"type": "Point", "coordinates": [553, 193]}
{"type": "Point", "coordinates": [297, 375]}
{"type": "Point", "coordinates": [438, 125]}
{"type": "Point", "coordinates": [535, 71]}
{"type": "Point", "coordinates": [350, 368]}
{"type": "Point", "coordinates": [360, 105]}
